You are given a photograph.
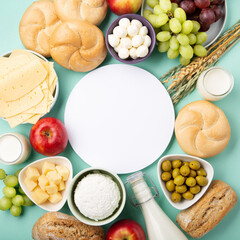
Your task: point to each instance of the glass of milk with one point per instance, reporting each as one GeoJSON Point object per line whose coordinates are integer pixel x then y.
{"type": "Point", "coordinates": [14, 148]}
{"type": "Point", "coordinates": [215, 83]}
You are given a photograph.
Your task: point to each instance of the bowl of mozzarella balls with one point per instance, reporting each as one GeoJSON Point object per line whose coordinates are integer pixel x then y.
{"type": "Point", "coordinates": [130, 38]}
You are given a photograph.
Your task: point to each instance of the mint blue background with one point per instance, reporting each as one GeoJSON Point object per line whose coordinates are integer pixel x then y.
{"type": "Point", "coordinates": [226, 164]}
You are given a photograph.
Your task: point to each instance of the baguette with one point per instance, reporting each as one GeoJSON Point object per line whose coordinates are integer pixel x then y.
{"type": "Point", "coordinates": [203, 216]}
{"type": "Point", "coordinates": [60, 226]}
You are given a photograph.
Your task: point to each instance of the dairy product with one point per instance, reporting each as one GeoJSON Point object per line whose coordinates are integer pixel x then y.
{"type": "Point", "coordinates": [97, 196]}
{"type": "Point", "coordinates": [215, 83]}
{"type": "Point", "coordinates": [14, 148]}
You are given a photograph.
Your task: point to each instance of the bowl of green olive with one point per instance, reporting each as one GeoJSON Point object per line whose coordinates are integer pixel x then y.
{"type": "Point", "coordinates": [184, 179]}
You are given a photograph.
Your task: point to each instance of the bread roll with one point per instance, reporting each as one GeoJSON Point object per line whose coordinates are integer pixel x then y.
{"type": "Point", "coordinates": [202, 129]}
{"type": "Point", "coordinates": [93, 11]}
{"type": "Point", "coordinates": [36, 25]}
{"type": "Point", "coordinates": [204, 215]}
{"type": "Point", "coordinates": [56, 226]}
{"type": "Point", "coordinates": [78, 45]}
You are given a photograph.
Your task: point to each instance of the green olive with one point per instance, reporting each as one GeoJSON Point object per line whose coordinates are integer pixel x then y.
{"type": "Point", "coordinates": [195, 165]}
{"type": "Point", "coordinates": [175, 172]}
{"type": "Point", "coordinates": [191, 182]}
{"type": "Point", "coordinates": [186, 163]}
{"type": "Point", "coordinates": [179, 180]}
{"type": "Point", "coordinates": [185, 170]}
{"type": "Point", "coordinates": [166, 166]}
{"type": "Point", "coordinates": [166, 176]}
{"type": "Point", "coordinates": [188, 195]}
{"type": "Point", "coordinates": [194, 190]}
{"type": "Point", "coordinates": [170, 185]}
{"type": "Point", "coordinates": [181, 189]}
{"type": "Point", "coordinates": [201, 181]}
{"type": "Point", "coordinates": [201, 172]}
{"type": "Point", "coordinates": [192, 173]}
{"type": "Point", "coordinates": [176, 197]}
{"type": "Point", "coordinates": [176, 163]}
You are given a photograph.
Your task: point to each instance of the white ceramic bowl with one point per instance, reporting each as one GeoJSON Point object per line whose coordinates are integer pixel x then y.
{"type": "Point", "coordinates": [55, 93]}
{"type": "Point", "coordinates": [183, 204]}
{"type": "Point", "coordinates": [74, 208]}
{"type": "Point", "coordinates": [58, 160]}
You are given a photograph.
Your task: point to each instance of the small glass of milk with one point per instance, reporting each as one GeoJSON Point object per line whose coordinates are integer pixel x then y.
{"type": "Point", "coordinates": [215, 83]}
{"type": "Point", "coordinates": [14, 148]}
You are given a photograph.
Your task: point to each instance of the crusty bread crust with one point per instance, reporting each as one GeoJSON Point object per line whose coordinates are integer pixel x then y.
{"type": "Point", "coordinates": [36, 26]}
{"type": "Point", "coordinates": [204, 215]}
{"type": "Point", "coordinates": [60, 226]}
{"type": "Point", "coordinates": [202, 129]}
{"type": "Point", "coordinates": [93, 11]}
{"type": "Point", "coordinates": [78, 46]}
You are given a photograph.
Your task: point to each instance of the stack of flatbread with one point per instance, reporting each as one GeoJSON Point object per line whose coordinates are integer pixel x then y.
{"type": "Point", "coordinates": [27, 86]}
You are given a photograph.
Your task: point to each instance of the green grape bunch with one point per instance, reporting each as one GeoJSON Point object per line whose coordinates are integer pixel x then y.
{"type": "Point", "coordinates": [14, 198]}
{"type": "Point", "coordinates": [175, 34]}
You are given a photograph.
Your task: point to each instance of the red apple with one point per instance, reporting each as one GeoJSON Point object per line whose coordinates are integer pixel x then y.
{"type": "Point", "coordinates": [48, 136]}
{"type": "Point", "coordinates": [126, 230]}
{"type": "Point", "coordinates": [121, 7]}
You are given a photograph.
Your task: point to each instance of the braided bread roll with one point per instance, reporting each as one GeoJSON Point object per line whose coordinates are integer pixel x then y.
{"type": "Point", "coordinates": [78, 45]}
{"type": "Point", "coordinates": [93, 11]}
{"type": "Point", "coordinates": [36, 25]}
{"type": "Point", "coordinates": [202, 129]}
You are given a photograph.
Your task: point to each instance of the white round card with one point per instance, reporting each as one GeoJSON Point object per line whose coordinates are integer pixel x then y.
{"type": "Point", "coordinates": [119, 117]}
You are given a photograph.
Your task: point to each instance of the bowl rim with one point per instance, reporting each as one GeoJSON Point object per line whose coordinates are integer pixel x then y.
{"type": "Point", "coordinates": [73, 207]}
{"type": "Point", "coordinates": [188, 158]}
{"type": "Point", "coordinates": [146, 23]}
{"type": "Point", "coordinates": [55, 93]}
{"type": "Point", "coordinates": [68, 182]}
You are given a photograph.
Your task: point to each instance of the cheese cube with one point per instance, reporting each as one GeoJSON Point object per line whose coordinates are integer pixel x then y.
{"type": "Point", "coordinates": [55, 198]}
{"type": "Point", "coordinates": [47, 167]}
{"type": "Point", "coordinates": [51, 189]}
{"type": "Point", "coordinates": [54, 177]}
{"type": "Point", "coordinates": [43, 182]}
{"type": "Point", "coordinates": [30, 184]}
{"type": "Point", "coordinates": [32, 173]}
{"type": "Point", "coordinates": [63, 171]}
{"type": "Point", "coordinates": [61, 186]}
{"type": "Point", "coordinates": [39, 196]}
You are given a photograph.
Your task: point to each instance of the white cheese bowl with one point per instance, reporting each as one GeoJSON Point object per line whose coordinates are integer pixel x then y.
{"type": "Point", "coordinates": [58, 160]}
{"type": "Point", "coordinates": [74, 208]}
{"type": "Point", "coordinates": [55, 93]}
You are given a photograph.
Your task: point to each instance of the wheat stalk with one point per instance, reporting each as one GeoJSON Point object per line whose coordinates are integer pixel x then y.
{"type": "Point", "coordinates": [184, 77]}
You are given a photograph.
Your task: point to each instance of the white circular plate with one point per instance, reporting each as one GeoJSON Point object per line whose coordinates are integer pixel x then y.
{"type": "Point", "coordinates": [119, 117]}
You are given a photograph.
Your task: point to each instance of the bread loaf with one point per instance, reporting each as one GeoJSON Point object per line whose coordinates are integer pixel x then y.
{"type": "Point", "coordinates": [78, 45]}
{"type": "Point", "coordinates": [202, 129]}
{"type": "Point", "coordinates": [60, 226]}
{"type": "Point", "coordinates": [93, 11]}
{"type": "Point", "coordinates": [204, 215]}
{"type": "Point", "coordinates": [36, 25]}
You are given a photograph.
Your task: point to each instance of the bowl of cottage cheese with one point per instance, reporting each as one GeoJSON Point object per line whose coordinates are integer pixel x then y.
{"type": "Point", "coordinates": [96, 196]}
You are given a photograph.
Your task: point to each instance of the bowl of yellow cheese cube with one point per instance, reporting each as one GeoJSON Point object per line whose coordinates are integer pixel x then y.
{"type": "Point", "coordinates": [46, 181]}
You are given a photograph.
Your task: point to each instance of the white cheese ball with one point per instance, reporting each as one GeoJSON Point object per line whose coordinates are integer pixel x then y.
{"type": "Point", "coordinates": [126, 42]}
{"type": "Point", "coordinates": [147, 41]}
{"type": "Point", "coordinates": [136, 23]}
{"type": "Point", "coordinates": [113, 40]}
{"type": "Point", "coordinates": [137, 40]}
{"type": "Point", "coordinates": [142, 51]}
{"type": "Point", "coordinates": [97, 196]}
{"type": "Point", "coordinates": [120, 31]}
{"type": "Point", "coordinates": [132, 30]}
{"type": "Point", "coordinates": [123, 53]}
{"type": "Point", "coordinates": [116, 49]}
{"type": "Point", "coordinates": [124, 22]}
{"type": "Point", "coordinates": [143, 31]}
{"type": "Point", "coordinates": [133, 53]}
